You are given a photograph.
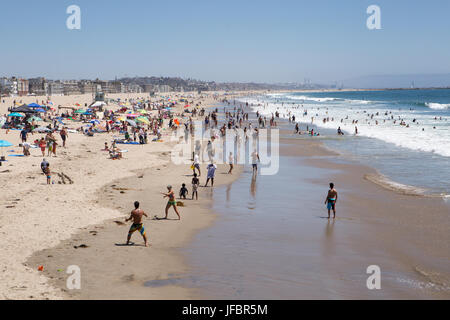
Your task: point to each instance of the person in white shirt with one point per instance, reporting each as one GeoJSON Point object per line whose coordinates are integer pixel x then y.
{"type": "Point", "coordinates": [196, 164]}
{"type": "Point", "coordinates": [255, 160]}
{"type": "Point", "coordinates": [230, 162]}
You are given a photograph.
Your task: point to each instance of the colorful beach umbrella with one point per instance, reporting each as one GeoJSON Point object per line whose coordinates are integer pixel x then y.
{"type": "Point", "coordinates": [143, 120]}
{"type": "Point", "coordinates": [34, 119]}
{"type": "Point", "coordinates": [132, 123]}
{"type": "Point", "coordinates": [15, 114]}
{"type": "Point", "coordinates": [5, 144]}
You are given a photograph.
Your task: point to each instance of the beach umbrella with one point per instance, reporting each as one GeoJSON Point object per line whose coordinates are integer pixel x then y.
{"type": "Point", "coordinates": [5, 144]}
{"type": "Point", "coordinates": [132, 123]}
{"type": "Point", "coordinates": [34, 119]}
{"type": "Point", "coordinates": [95, 121]}
{"type": "Point", "coordinates": [87, 113]}
{"type": "Point", "coordinates": [121, 119]}
{"type": "Point", "coordinates": [34, 105]}
{"type": "Point", "coordinates": [143, 111]}
{"type": "Point", "coordinates": [15, 114]}
{"type": "Point", "coordinates": [143, 120]}
{"type": "Point", "coordinates": [98, 104]}
{"type": "Point", "coordinates": [79, 111]}
{"type": "Point", "coordinates": [42, 129]}
{"type": "Point", "coordinates": [40, 110]}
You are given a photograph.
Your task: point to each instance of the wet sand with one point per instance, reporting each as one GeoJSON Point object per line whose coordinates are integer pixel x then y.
{"type": "Point", "coordinates": [282, 246]}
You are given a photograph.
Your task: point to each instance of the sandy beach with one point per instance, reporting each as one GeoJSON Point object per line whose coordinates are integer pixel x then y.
{"type": "Point", "coordinates": [36, 216]}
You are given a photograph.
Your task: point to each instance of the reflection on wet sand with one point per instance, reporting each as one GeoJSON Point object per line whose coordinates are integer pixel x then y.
{"type": "Point", "coordinates": [329, 241]}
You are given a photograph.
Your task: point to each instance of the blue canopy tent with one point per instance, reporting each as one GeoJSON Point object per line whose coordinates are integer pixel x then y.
{"type": "Point", "coordinates": [34, 105]}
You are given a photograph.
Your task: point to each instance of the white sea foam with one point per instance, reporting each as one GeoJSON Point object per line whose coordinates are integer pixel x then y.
{"type": "Point", "coordinates": [430, 140]}
{"type": "Point", "coordinates": [437, 106]}
{"type": "Point", "coordinates": [306, 98]}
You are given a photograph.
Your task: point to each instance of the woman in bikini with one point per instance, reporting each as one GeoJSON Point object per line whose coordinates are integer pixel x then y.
{"type": "Point", "coordinates": [172, 202]}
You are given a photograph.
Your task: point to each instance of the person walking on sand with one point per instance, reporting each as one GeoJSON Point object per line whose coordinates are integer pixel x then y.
{"type": "Point", "coordinates": [44, 165]}
{"type": "Point", "coordinates": [255, 160]}
{"type": "Point", "coordinates": [230, 162]}
{"type": "Point", "coordinates": [43, 146]}
{"type": "Point", "coordinates": [63, 135]}
{"type": "Point", "coordinates": [195, 185]}
{"type": "Point", "coordinates": [331, 200]}
{"type": "Point", "coordinates": [196, 164]}
{"type": "Point", "coordinates": [54, 145]}
{"type": "Point", "coordinates": [48, 174]}
{"type": "Point", "coordinates": [211, 173]}
{"type": "Point", "coordinates": [136, 216]}
{"type": "Point", "coordinates": [171, 202]}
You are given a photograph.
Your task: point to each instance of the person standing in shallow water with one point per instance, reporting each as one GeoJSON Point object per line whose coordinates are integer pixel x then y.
{"type": "Point", "coordinates": [331, 200]}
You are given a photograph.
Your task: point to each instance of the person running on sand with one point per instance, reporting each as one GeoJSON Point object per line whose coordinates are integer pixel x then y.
{"type": "Point", "coordinates": [136, 216]}
{"type": "Point", "coordinates": [331, 200]}
{"type": "Point", "coordinates": [195, 185]}
{"type": "Point", "coordinates": [171, 202]}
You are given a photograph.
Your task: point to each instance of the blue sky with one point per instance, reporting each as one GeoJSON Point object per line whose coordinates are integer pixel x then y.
{"type": "Point", "coordinates": [263, 41]}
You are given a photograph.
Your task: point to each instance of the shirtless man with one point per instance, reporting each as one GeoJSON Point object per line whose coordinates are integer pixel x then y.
{"type": "Point", "coordinates": [136, 216]}
{"type": "Point", "coordinates": [331, 200]}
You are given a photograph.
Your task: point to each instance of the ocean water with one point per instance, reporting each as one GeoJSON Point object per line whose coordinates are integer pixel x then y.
{"type": "Point", "coordinates": [415, 154]}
